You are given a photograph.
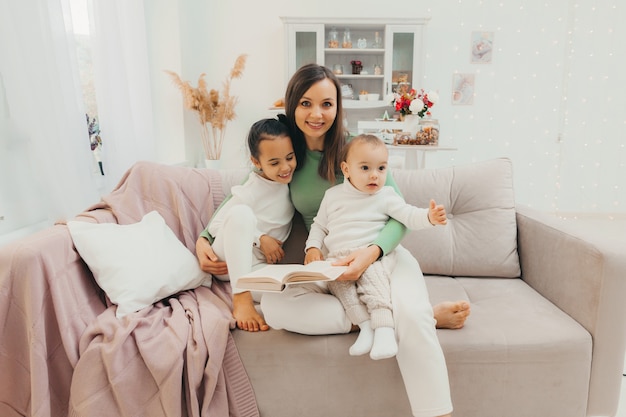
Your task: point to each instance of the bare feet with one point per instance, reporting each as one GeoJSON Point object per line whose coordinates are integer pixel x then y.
{"type": "Point", "coordinates": [246, 315]}
{"type": "Point", "coordinates": [451, 314]}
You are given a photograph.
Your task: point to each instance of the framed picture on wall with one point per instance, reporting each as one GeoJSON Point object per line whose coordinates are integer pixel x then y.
{"type": "Point", "coordinates": [481, 47]}
{"type": "Point", "coordinates": [462, 89]}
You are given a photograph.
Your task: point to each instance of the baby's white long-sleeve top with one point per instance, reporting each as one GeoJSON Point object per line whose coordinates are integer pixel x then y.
{"type": "Point", "coordinates": [349, 218]}
{"type": "Point", "coordinates": [270, 203]}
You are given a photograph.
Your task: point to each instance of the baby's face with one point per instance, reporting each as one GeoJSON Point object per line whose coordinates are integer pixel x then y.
{"type": "Point", "coordinates": [366, 167]}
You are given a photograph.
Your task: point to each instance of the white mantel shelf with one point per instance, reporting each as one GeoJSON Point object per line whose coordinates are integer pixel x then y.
{"type": "Point", "coordinates": [415, 155]}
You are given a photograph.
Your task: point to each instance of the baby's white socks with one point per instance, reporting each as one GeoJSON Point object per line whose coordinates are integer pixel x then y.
{"type": "Point", "coordinates": [385, 345]}
{"type": "Point", "coordinates": [380, 342]}
{"type": "Point", "coordinates": [364, 340]}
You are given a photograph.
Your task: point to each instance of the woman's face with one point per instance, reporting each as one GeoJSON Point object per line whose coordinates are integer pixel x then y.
{"type": "Point", "coordinates": [317, 110]}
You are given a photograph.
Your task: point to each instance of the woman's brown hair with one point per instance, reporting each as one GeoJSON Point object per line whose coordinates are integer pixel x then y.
{"type": "Point", "coordinates": [335, 138]}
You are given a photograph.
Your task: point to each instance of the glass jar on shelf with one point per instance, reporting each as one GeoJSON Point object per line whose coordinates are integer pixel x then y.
{"type": "Point", "coordinates": [347, 39]}
{"type": "Point", "coordinates": [333, 38]}
{"type": "Point", "coordinates": [378, 42]}
{"type": "Point", "coordinates": [427, 132]}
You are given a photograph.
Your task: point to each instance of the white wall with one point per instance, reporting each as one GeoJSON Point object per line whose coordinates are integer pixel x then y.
{"type": "Point", "coordinates": [553, 98]}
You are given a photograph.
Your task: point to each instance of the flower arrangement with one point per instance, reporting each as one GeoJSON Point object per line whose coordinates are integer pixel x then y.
{"type": "Point", "coordinates": [414, 102]}
{"type": "Point", "coordinates": [214, 108]}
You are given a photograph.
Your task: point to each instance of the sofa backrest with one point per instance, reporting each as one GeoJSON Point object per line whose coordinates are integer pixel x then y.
{"type": "Point", "coordinates": [480, 238]}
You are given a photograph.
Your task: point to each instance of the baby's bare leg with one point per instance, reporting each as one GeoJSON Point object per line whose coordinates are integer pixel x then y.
{"type": "Point", "coordinates": [451, 314]}
{"type": "Point", "coordinates": [246, 315]}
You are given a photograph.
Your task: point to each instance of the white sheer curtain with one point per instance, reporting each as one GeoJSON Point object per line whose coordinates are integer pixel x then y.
{"type": "Point", "coordinates": [45, 161]}
{"type": "Point", "coordinates": [46, 167]}
{"type": "Point", "coordinates": [122, 80]}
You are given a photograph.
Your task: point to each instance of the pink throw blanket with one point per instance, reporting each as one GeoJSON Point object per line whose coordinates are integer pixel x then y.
{"type": "Point", "coordinates": [67, 354]}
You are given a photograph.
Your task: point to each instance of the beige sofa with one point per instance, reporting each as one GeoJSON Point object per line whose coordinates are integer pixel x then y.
{"type": "Point", "coordinates": [545, 338]}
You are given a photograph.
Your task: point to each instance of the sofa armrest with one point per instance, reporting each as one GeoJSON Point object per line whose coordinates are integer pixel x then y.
{"type": "Point", "coordinates": [584, 274]}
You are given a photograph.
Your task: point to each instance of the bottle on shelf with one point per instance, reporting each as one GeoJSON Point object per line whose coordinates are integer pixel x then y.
{"type": "Point", "coordinates": [347, 39]}
{"type": "Point", "coordinates": [378, 43]}
{"type": "Point", "coordinates": [333, 38]}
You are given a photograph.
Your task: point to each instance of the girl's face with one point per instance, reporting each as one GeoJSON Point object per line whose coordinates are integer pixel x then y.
{"type": "Point", "coordinates": [366, 167]}
{"type": "Point", "coordinates": [277, 160]}
{"type": "Point", "coordinates": [317, 110]}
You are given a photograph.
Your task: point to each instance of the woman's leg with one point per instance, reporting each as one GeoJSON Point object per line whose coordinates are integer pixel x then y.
{"type": "Point", "coordinates": [307, 309]}
{"type": "Point", "coordinates": [420, 357]}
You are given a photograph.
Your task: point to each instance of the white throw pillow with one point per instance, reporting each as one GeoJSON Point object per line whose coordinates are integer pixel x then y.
{"type": "Point", "coordinates": [137, 264]}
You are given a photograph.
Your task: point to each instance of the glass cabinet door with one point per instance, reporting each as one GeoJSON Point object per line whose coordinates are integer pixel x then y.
{"type": "Point", "coordinates": [404, 46]}
{"type": "Point", "coordinates": [305, 45]}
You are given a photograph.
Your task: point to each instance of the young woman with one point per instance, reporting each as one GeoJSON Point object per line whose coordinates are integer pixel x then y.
{"type": "Point", "coordinates": [315, 115]}
{"type": "Point", "coordinates": [249, 228]}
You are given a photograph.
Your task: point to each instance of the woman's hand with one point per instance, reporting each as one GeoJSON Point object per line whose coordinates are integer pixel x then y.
{"type": "Point", "coordinates": [272, 249]}
{"type": "Point", "coordinates": [357, 262]}
{"type": "Point", "coordinates": [208, 260]}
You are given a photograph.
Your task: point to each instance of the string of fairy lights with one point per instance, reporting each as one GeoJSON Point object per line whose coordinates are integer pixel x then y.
{"type": "Point", "coordinates": [575, 161]}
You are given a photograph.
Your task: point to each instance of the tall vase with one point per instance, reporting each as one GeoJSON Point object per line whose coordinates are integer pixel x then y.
{"type": "Point", "coordinates": [411, 123]}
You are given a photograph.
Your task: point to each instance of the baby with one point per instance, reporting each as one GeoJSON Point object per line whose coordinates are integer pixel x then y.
{"type": "Point", "coordinates": [350, 216]}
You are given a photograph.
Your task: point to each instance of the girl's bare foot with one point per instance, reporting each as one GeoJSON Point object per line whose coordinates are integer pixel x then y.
{"type": "Point", "coordinates": [245, 313]}
{"type": "Point", "coordinates": [451, 314]}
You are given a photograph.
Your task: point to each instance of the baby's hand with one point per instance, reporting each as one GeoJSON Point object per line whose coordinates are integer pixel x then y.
{"type": "Point", "coordinates": [437, 213]}
{"type": "Point", "coordinates": [313, 254]}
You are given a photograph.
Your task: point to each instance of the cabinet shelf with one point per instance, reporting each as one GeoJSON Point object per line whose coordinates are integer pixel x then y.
{"type": "Point", "coordinates": [398, 56]}
{"type": "Point", "coordinates": [364, 104]}
{"type": "Point", "coordinates": [360, 77]}
{"type": "Point", "coordinates": [354, 51]}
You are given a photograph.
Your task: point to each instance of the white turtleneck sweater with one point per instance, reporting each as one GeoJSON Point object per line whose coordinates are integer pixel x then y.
{"type": "Point", "coordinates": [349, 218]}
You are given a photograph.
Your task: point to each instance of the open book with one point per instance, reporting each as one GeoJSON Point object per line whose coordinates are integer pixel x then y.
{"type": "Point", "coordinates": [277, 277]}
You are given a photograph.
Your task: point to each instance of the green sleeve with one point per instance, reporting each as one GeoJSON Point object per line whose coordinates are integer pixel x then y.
{"type": "Point", "coordinates": [205, 234]}
{"type": "Point", "coordinates": [394, 231]}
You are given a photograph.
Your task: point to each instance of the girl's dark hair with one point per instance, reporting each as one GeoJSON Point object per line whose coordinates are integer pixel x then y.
{"type": "Point", "coordinates": [335, 138]}
{"type": "Point", "coordinates": [265, 129]}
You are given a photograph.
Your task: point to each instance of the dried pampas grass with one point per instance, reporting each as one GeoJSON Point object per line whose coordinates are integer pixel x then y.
{"type": "Point", "coordinates": [214, 109]}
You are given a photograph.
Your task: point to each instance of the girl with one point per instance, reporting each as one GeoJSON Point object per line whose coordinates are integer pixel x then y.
{"type": "Point", "coordinates": [249, 228]}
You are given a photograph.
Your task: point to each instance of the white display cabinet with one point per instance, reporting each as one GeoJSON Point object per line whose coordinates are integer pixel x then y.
{"type": "Point", "coordinates": [389, 50]}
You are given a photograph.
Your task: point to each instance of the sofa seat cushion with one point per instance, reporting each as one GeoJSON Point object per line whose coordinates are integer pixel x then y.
{"type": "Point", "coordinates": [481, 236]}
{"type": "Point", "coordinates": [515, 345]}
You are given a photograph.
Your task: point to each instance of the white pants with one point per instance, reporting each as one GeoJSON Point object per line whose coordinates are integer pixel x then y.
{"type": "Point", "coordinates": [310, 310]}
{"type": "Point", "coordinates": [234, 244]}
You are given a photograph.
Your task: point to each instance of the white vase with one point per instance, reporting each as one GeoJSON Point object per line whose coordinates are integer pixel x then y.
{"type": "Point", "coordinates": [213, 163]}
{"type": "Point", "coordinates": [411, 123]}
